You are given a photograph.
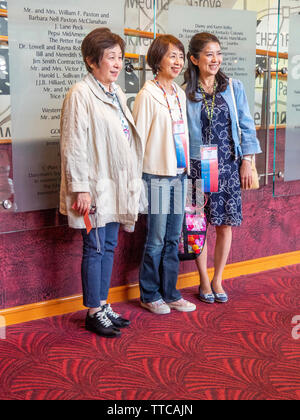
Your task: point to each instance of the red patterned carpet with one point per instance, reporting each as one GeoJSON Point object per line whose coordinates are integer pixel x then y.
{"type": "Point", "coordinates": [241, 350]}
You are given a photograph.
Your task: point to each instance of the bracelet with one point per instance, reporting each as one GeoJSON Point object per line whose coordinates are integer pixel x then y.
{"type": "Point", "coordinates": [248, 159]}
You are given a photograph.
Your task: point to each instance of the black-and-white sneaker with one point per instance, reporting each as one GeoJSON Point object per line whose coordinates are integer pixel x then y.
{"type": "Point", "coordinates": [115, 318]}
{"type": "Point", "coordinates": [100, 324]}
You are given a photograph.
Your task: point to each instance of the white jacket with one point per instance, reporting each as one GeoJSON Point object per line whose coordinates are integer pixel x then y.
{"type": "Point", "coordinates": [153, 122]}
{"type": "Point", "coordinates": [96, 156]}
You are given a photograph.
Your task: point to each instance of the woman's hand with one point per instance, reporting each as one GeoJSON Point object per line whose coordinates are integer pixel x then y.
{"type": "Point", "coordinates": [83, 203]}
{"type": "Point", "coordinates": [246, 174]}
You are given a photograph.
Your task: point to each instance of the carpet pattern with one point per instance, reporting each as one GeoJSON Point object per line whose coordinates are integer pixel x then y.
{"type": "Point", "coordinates": [241, 350]}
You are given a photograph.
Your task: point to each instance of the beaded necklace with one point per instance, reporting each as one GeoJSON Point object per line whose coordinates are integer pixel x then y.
{"type": "Point", "coordinates": [166, 98]}
{"type": "Point", "coordinates": [210, 111]}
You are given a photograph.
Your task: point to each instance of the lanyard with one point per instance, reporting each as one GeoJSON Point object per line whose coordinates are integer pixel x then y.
{"type": "Point", "coordinates": [210, 111]}
{"type": "Point", "coordinates": [178, 129]}
{"type": "Point", "coordinates": [166, 98]}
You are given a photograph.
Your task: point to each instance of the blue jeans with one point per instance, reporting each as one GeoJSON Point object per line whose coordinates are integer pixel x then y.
{"type": "Point", "coordinates": [96, 267]}
{"type": "Point", "coordinates": [160, 264]}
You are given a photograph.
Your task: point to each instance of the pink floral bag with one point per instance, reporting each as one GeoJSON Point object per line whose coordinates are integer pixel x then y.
{"type": "Point", "coordinates": [193, 235]}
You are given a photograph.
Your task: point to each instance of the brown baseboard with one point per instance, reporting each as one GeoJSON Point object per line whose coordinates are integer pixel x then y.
{"type": "Point", "coordinates": [26, 313]}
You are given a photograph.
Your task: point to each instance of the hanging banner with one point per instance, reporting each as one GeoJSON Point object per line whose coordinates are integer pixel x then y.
{"type": "Point", "coordinates": [45, 61]}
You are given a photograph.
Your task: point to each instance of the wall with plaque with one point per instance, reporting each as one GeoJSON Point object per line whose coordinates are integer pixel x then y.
{"type": "Point", "coordinates": [45, 61]}
{"type": "Point", "coordinates": [236, 31]}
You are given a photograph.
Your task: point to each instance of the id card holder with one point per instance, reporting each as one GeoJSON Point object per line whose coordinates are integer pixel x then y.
{"type": "Point", "coordinates": [180, 141]}
{"type": "Point", "coordinates": [210, 168]}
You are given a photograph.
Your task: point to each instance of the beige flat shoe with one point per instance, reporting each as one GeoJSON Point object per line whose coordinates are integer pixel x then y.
{"type": "Point", "coordinates": [159, 307]}
{"type": "Point", "coordinates": [182, 305]}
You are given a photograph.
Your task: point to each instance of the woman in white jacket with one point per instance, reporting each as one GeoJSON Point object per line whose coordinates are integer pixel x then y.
{"type": "Point", "coordinates": [160, 116]}
{"type": "Point", "coordinates": [101, 154]}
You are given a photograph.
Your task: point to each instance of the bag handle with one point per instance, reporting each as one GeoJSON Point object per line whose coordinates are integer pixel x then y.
{"type": "Point", "coordinates": [235, 109]}
{"type": "Point", "coordinates": [237, 115]}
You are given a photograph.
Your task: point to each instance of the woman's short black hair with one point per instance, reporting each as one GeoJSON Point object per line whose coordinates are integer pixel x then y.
{"type": "Point", "coordinates": [159, 48]}
{"type": "Point", "coordinates": [96, 42]}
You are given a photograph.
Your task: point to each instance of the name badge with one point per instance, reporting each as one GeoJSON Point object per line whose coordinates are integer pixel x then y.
{"type": "Point", "coordinates": [210, 168]}
{"type": "Point", "coordinates": [178, 127]}
{"type": "Point", "coordinates": [209, 152]}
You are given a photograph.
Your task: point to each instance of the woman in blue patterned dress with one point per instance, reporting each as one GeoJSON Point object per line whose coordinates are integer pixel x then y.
{"type": "Point", "coordinates": [213, 121]}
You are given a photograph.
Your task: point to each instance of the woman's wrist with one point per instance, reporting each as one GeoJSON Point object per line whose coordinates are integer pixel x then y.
{"type": "Point", "coordinates": [248, 158]}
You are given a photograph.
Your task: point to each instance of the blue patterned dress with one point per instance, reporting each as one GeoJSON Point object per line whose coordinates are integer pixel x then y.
{"type": "Point", "coordinates": [225, 206]}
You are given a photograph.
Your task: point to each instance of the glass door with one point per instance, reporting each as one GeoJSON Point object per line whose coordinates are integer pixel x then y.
{"type": "Point", "coordinates": [286, 150]}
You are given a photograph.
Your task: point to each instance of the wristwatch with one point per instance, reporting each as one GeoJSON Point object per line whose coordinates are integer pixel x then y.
{"type": "Point", "coordinates": [249, 159]}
